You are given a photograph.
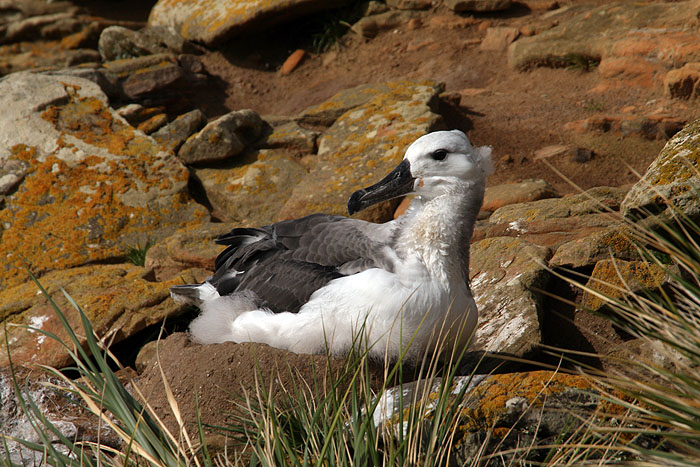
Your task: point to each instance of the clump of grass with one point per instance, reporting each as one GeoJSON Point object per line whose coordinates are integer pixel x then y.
{"type": "Point", "coordinates": [137, 254]}
{"type": "Point", "coordinates": [592, 105]}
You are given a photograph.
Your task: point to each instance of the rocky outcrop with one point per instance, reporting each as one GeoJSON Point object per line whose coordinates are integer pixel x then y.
{"type": "Point", "coordinates": [212, 21]}
{"type": "Point", "coordinates": [670, 185]}
{"type": "Point", "coordinates": [367, 140]}
{"type": "Point", "coordinates": [635, 44]}
{"type": "Point", "coordinates": [90, 184]}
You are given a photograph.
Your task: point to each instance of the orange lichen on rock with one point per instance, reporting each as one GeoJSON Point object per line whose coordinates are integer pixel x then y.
{"type": "Point", "coordinates": [75, 207]}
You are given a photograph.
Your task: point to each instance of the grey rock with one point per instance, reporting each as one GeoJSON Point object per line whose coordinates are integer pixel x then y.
{"type": "Point", "coordinates": [504, 271]}
{"type": "Point", "coordinates": [175, 133]}
{"type": "Point", "coordinates": [670, 185]}
{"type": "Point", "coordinates": [370, 26]}
{"type": "Point", "coordinates": [225, 137]}
{"type": "Point", "coordinates": [586, 251]}
{"type": "Point", "coordinates": [292, 136]}
{"type": "Point", "coordinates": [117, 42]}
{"type": "Point", "coordinates": [410, 4]}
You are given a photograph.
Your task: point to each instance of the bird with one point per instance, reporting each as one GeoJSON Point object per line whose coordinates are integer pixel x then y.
{"type": "Point", "coordinates": [327, 283]}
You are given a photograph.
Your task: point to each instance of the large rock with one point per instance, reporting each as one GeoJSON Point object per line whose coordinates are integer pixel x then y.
{"type": "Point", "coordinates": [252, 193]}
{"type": "Point", "coordinates": [637, 42]}
{"type": "Point", "coordinates": [119, 300]}
{"type": "Point", "coordinates": [212, 21]}
{"type": "Point", "coordinates": [504, 271]}
{"type": "Point", "coordinates": [671, 183]}
{"type": "Point", "coordinates": [362, 146]}
{"type": "Point", "coordinates": [478, 5]}
{"type": "Point", "coordinates": [494, 413]}
{"type": "Point", "coordinates": [93, 186]}
{"type": "Point", "coordinates": [225, 137]}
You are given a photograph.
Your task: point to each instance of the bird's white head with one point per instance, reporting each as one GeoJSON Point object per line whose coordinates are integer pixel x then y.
{"type": "Point", "coordinates": [437, 163]}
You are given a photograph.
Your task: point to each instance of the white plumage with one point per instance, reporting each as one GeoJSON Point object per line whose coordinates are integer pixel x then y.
{"type": "Point", "coordinates": [314, 283]}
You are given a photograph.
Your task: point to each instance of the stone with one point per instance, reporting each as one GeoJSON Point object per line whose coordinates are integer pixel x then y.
{"type": "Point", "coordinates": [587, 250]}
{"type": "Point", "coordinates": [684, 82]}
{"type": "Point", "coordinates": [192, 249]}
{"type": "Point", "coordinates": [499, 38]}
{"type": "Point", "coordinates": [370, 26]}
{"type": "Point", "coordinates": [478, 5]}
{"type": "Point", "coordinates": [512, 193]}
{"type": "Point", "coordinates": [327, 112]}
{"type": "Point", "coordinates": [151, 80]}
{"type": "Point", "coordinates": [174, 134]}
{"type": "Point", "coordinates": [363, 145]}
{"type": "Point", "coordinates": [93, 185]}
{"type": "Point", "coordinates": [670, 185]}
{"type": "Point", "coordinates": [119, 301]}
{"type": "Point", "coordinates": [593, 201]}
{"type": "Point", "coordinates": [292, 62]}
{"type": "Point", "coordinates": [499, 413]}
{"type": "Point", "coordinates": [291, 135]}
{"type": "Point", "coordinates": [214, 21]}
{"type": "Point", "coordinates": [630, 41]}
{"type": "Point", "coordinates": [504, 271]}
{"type": "Point", "coordinates": [117, 42]}
{"type": "Point", "coordinates": [253, 193]}
{"type": "Point", "coordinates": [616, 279]}
{"type": "Point", "coordinates": [49, 394]}
{"type": "Point", "coordinates": [225, 137]}
{"type": "Point", "coordinates": [583, 155]}
{"type": "Point", "coordinates": [153, 123]}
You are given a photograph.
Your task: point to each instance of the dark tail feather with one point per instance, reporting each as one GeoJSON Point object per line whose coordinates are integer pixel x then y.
{"type": "Point", "coordinates": [194, 294]}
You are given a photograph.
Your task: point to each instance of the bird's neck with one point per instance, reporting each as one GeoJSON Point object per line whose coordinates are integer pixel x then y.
{"type": "Point", "coordinates": [439, 231]}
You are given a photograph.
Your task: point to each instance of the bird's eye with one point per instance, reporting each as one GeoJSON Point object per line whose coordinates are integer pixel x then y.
{"type": "Point", "coordinates": [439, 155]}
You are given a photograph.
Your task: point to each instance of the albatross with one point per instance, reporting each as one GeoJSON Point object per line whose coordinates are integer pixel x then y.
{"type": "Point", "coordinates": [311, 285]}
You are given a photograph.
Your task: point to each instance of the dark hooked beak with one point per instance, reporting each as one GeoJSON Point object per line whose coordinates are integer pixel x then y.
{"type": "Point", "coordinates": [397, 183]}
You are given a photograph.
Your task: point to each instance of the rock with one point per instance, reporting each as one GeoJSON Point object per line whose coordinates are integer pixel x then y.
{"type": "Point", "coordinates": [93, 184]}
{"type": "Point", "coordinates": [499, 38]}
{"type": "Point", "coordinates": [671, 181]}
{"type": "Point", "coordinates": [583, 155]}
{"type": "Point", "coordinates": [117, 42]}
{"type": "Point", "coordinates": [498, 413]}
{"type": "Point", "coordinates": [362, 145]}
{"type": "Point", "coordinates": [616, 279]}
{"type": "Point", "coordinates": [192, 249]}
{"type": "Point", "coordinates": [153, 79]}
{"type": "Point", "coordinates": [211, 22]}
{"type": "Point", "coordinates": [292, 62]}
{"type": "Point", "coordinates": [225, 137]}
{"type": "Point", "coordinates": [478, 5]}
{"type": "Point", "coordinates": [253, 193]}
{"type": "Point", "coordinates": [151, 124]}
{"type": "Point", "coordinates": [591, 201]}
{"type": "Point", "coordinates": [175, 133]}
{"type": "Point", "coordinates": [327, 112]}
{"type": "Point", "coordinates": [291, 136]}
{"type": "Point", "coordinates": [513, 193]}
{"type": "Point", "coordinates": [118, 300]}
{"type": "Point", "coordinates": [68, 417]}
{"type": "Point", "coordinates": [587, 250]}
{"type": "Point", "coordinates": [683, 83]}
{"type": "Point", "coordinates": [630, 41]}
{"type": "Point", "coordinates": [372, 8]}
{"type": "Point", "coordinates": [504, 271]}
{"type": "Point", "coordinates": [370, 26]}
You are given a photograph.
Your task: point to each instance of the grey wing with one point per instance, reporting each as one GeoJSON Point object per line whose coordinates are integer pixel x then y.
{"type": "Point", "coordinates": [286, 262]}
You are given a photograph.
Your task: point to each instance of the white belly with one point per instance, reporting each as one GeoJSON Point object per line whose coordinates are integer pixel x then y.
{"type": "Point", "coordinates": [385, 311]}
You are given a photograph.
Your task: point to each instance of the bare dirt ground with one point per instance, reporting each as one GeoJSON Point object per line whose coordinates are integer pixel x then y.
{"type": "Point", "coordinates": [515, 112]}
